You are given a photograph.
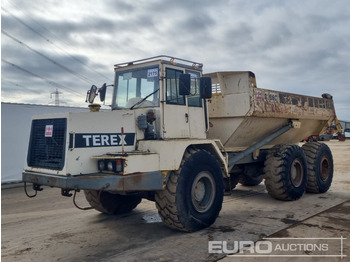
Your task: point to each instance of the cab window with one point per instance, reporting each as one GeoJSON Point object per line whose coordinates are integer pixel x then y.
{"type": "Point", "coordinates": [172, 87]}
{"type": "Point", "coordinates": [194, 98]}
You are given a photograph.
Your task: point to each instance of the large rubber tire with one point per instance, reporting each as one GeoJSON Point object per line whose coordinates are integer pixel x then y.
{"type": "Point", "coordinates": [109, 203]}
{"type": "Point", "coordinates": [320, 167]}
{"type": "Point", "coordinates": [252, 175]}
{"type": "Point", "coordinates": [286, 172]}
{"type": "Point", "coordinates": [341, 137]}
{"type": "Point", "coordinates": [231, 182]}
{"type": "Point", "coordinates": [192, 198]}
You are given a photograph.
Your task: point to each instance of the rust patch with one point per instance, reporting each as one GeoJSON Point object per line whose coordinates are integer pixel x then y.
{"type": "Point", "coordinates": [136, 178]}
{"type": "Point", "coordinates": [269, 103]}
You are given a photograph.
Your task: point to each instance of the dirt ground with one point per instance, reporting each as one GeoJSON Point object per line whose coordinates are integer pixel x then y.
{"type": "Point", "coordinates": [49, 227]}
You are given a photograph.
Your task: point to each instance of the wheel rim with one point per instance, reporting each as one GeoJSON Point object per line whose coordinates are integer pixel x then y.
{"type": "Point", "coordinates": [324, 168]}
{"type": "Point", "coordinates": [296, 173]}
{"type": "Point", "coordinates": [203, 192]}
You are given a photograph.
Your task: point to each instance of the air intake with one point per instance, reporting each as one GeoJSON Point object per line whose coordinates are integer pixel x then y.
{"type": "Point", "coordinates": [47, 143]}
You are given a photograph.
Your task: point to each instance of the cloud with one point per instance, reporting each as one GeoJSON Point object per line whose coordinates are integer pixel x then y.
{"type": "Point", "coordinates": [293, 46]}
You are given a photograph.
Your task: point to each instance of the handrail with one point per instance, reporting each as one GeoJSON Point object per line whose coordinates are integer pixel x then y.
{"type": "Point", "coordinates": [172, 60]}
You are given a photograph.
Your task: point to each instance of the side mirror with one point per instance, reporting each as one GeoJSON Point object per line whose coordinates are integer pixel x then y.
{"type": "Point", "coordinates": [184, 84]}
{"type": "Point", "coordinates": [91, 94]}
{"type": "Point", "coordinates": [205, 87]}
{"type": "Point", "coordinates": [102, 92]}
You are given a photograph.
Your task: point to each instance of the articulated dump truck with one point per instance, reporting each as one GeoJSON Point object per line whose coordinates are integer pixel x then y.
{"type": "Point", "coordinates": [181, 139]}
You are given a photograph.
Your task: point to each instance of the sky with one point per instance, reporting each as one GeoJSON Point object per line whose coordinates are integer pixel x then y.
{"type": "Point", "coordinates": [293, 46]}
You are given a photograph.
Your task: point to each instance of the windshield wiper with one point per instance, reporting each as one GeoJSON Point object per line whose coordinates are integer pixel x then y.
{"type": "Point", "coordinates": [143, 99]}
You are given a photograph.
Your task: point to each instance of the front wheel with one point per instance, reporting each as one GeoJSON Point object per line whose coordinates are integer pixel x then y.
{"type": "Point", "coordinates": [193, 196]}
{"type": "Point", "coordinates": [110, 203]}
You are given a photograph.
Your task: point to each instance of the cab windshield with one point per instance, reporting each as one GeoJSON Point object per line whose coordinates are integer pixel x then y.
{"type": "Point", "coordinates": [136, 88]}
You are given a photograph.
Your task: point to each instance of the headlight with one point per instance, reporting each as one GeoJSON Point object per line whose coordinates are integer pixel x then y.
{"type": "Point", "coordinates": [101, 165]}
{"type": "Point", "coordinates": [111, 165]}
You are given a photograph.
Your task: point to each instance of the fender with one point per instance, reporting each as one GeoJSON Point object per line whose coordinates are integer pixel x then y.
{"type": "Point", "coordinates": [171, 151]}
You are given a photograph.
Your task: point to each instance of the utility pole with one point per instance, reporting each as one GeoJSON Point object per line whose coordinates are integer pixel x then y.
{"type": "Point", "coordinates": [57, 97]}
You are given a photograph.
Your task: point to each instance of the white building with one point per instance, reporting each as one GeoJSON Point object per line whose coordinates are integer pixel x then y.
{"type": "Point", "coordinates": [15, 131]}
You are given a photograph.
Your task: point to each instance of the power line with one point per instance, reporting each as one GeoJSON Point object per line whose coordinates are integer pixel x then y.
{"type": "Point", "coordinates": [16, 84]}
{"type": "Point", "coordinates": [52, 43]}
{"type": "Point", "coordinates": [40, 77]}
{"type": "Point", "coordinates": [48, 58]}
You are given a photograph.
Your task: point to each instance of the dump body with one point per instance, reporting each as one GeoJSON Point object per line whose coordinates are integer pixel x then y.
{"type": "Point", "coordinates": [241, 114]}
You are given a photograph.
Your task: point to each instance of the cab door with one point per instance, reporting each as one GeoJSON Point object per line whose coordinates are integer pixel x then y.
{"type": "Point", "coordinates": [175, 114]}
{"type": "Point", "coordinates": [184, 116]}
{"type": "Point", "coordinates": [195, 108]}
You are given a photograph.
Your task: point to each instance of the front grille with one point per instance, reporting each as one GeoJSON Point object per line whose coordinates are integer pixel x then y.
{"type": "Point", "coordinates": [47, 143]}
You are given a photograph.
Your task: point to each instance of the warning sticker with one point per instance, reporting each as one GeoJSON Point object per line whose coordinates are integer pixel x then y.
{"type": "Point", "coordinates": [48, 130]}
{"type": "Point", "coordinates": [259, 95]}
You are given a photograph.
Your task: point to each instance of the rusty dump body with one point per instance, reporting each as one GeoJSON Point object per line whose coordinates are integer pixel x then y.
{"type": "Point", "coordinates": [241, 114]}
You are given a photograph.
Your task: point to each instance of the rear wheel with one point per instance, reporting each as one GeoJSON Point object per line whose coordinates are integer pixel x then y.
{"type": "Point", "coordinates": [286, 172]}
{"type": "Point", "coordinates": [252, 175]}
{"type": "Point", "coordinates": [109, 203]}
{"type": "Point", "coordinates": [193, 196]}
{"type": "Point", "coordinates": [320, 167]}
